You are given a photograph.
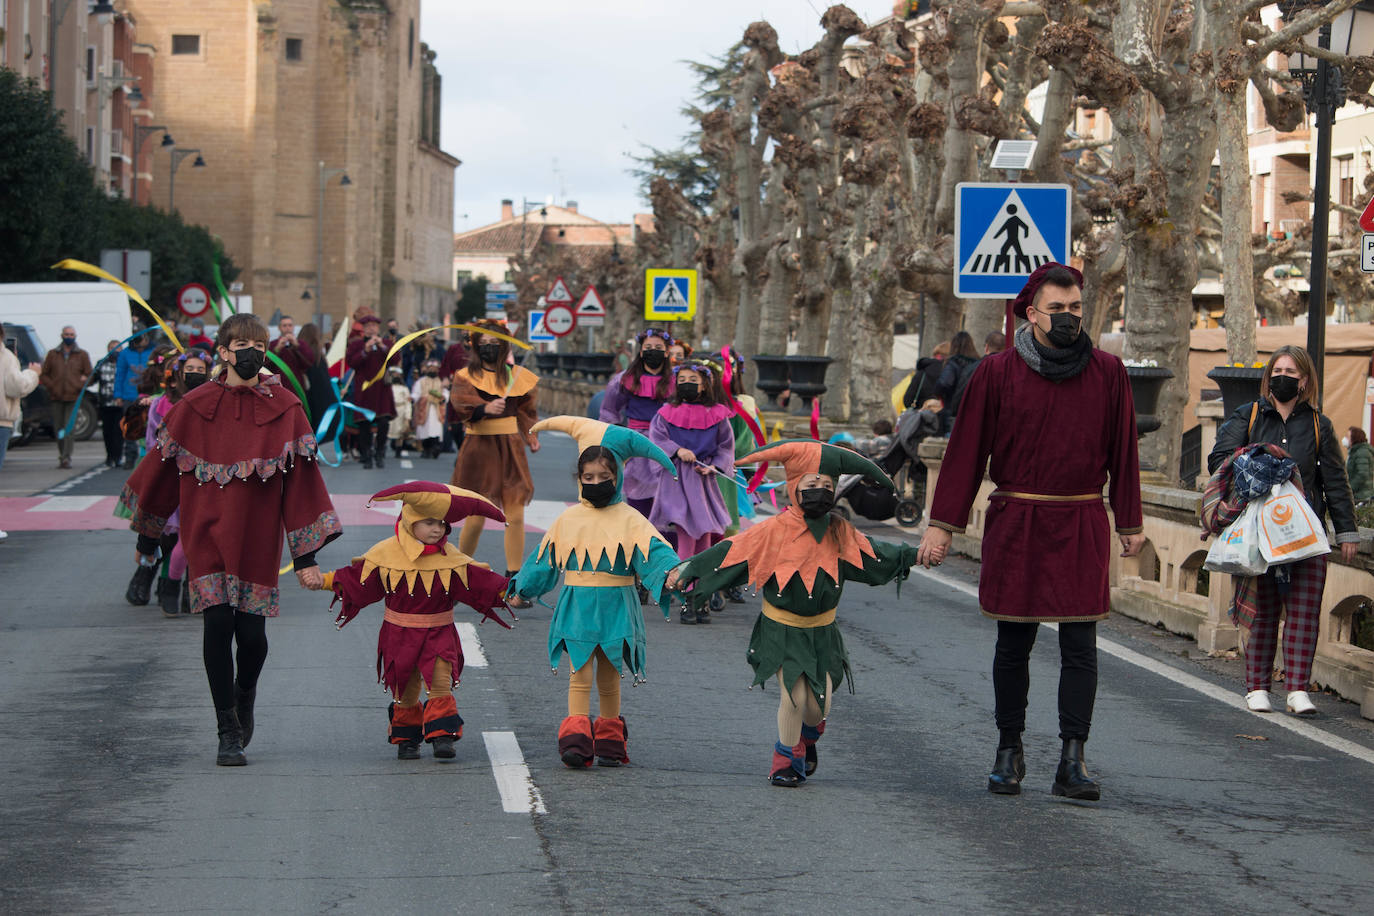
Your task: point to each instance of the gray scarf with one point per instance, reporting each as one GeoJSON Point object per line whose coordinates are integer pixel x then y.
{"type": "Point", "coordinates": [1049, 362]}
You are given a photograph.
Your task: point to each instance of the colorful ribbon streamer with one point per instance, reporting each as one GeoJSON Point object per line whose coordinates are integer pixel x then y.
{"type": "Point", "coordinates": [219, 285]}
{"type": "Point", "coordinates": [400, 344]}
{"type": "Point", "coordinates": [726, 373]}
{"type": "Point", "coordinates": [76, 408]}
{"type": "Point", "coordinates": [816, 418]}
{"type": "Point", "coordinates": [83, 267]}
{"type": "Point", "coordinates": [339, 408]}
{"type": "Point", "coordinates": [295, 383]}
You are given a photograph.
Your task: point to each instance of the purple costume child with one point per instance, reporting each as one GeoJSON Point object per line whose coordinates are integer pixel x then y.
{"type": "Point", "coordinates": [633, 398]}
{"type": "Point", "coordinates": [692, 502]}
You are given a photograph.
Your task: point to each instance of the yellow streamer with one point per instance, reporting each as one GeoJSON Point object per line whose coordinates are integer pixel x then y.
{"type": "Point", "coordinates": [83, 267]}
{"type": "Point", "coordinates": [398, 345]}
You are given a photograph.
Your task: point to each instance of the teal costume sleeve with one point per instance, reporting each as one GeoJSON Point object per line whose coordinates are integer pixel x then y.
{"type": "Point", "coordinates": [537, 575]}
{"type": "Point", "coordinates": [653, 571]}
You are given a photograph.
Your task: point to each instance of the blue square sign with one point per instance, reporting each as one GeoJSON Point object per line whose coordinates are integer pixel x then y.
{"type": "Point", "coordinates": [1003, 232]}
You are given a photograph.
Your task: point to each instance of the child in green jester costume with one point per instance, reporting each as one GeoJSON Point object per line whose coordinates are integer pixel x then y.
{"type": "Point", "coordinates": [800, 559]}
{"type": "Point", "coordinates": [599, 546]}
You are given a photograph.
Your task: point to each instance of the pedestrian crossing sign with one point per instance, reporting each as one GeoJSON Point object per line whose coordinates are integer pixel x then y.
{"type": "Point", "coordinates": [1004, 231]}
{"type": "Point", "coordinates": [670, 295]}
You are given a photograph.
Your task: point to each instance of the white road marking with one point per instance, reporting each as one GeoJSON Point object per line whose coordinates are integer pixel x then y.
{"type": "Point", "coordinates": [519, 794]}
{"type": "Point", "coordinates": [65, 504]}
{"type": "Point", "coordinates": [540, 513]}
{"type": "Point", "coordinates": [407, 464]}
{"type": "Point", "coordinates": [1192, 682]}
{"type": "Point", "coordinates": [473, 656]}
{"type": "Point", "coordinates": [80, 478]}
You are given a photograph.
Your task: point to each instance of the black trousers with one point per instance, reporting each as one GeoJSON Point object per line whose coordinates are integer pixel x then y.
{"type": "Point", "coordinates": [110, 432]}
{"type": "Point", "coordinates": [367, 430]}
{"type": "Point", "coordinates": [224, 627]}
{"type": "Point", "coordinates": [1077, 676]}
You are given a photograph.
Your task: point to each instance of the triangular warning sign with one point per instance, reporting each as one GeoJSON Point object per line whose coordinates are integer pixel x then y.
{"type": "Point", "coordinates": [1367, 217]}
{"type": "Point", "coordinates": [590, 303]}
{"type": "Point", "coordinates": [1012, 245]}
{"type": "Point", "coordinates": [558, 292]}
{"type": "Point", "coordinates": [671, 297]}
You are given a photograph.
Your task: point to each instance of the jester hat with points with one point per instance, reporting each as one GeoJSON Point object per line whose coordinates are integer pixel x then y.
{"type": "Point", "coordinates": [800, 457]}
{"type": "Point", "coordinates": [421, 499]}
{"type": "Point", "coordinates": [586, 533]}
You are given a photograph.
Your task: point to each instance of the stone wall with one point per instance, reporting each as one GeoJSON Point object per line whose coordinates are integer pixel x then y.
{"type": "Point", "coordinates": [1166, 585]}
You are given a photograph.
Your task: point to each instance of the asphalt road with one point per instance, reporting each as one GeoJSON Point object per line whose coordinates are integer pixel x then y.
{"type": "Point", "coordinates": [111, 802]}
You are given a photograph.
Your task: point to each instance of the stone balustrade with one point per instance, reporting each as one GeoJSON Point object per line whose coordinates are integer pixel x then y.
{"type": "Point", "coordinates": [1167, 586]}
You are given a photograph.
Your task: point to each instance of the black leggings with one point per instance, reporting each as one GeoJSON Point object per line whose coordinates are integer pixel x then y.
{"type": "Point", "coordinates": [1077, 676]}
{"type": "Point", "coordinates": [367, 429]}
{"type": "Point", "coordinates": [223, 627]}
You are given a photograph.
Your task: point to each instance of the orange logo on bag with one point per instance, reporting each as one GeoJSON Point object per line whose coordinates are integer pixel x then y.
{"type": "Point", "coordinates": [1281, 513]}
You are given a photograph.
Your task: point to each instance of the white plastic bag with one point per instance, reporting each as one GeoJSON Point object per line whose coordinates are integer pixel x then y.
{"type": "Point", "coordinates": [1289, 529]}
{"type": "Point", "coordinates": [1237, 550]}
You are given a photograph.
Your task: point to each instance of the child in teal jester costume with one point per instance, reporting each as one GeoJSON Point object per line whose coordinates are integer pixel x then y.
{"type": "Point", "coordinates": [599, 545]}
{"type": "Point", "coordinates": [800, 559]}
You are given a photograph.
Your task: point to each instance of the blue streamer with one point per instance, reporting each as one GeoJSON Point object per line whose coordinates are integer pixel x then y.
{"type": "Point", "coordinates": [76, 408]}
{"type": "Point", "coordinates": [339, 409]}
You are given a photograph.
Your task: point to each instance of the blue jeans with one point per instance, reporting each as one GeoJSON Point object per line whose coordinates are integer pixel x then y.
{"type": "Point", "coordinates": [5, 432]}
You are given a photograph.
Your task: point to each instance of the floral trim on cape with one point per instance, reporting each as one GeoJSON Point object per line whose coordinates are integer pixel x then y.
{"type": "Point", "coordinates": [141, 522]}
{"type": "Point", "coordinates": [315, 535]}
{"type": "Point", "coordinates": [207, 472]}
{"type": "Point", "coordinates": [240, 594]}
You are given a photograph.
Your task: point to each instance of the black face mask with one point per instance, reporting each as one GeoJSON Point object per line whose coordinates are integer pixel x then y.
{"type": "Point", "coordinates": [69, 341]}
{"type": "Point", "coordinates": [194, 379]}
{"type": "Point", "coordinates": [1284, 388]}
{"type": "Point", "coordinates": [688, 391]}
{"type": "Point", "coordinates": [432, 373]}
{"type": "Point", "coordinates": [816, 501]}
{"type": "Point", "coordinates": [489, 353]}
{"type": "Point", "coordinates": [654, 359]}
{"type": "Point", "coordinates": [1064, 329]}
{"type": "Point", "coordinates": [247, 362]}
{"type": "Point", "coordinates": [599, 494]}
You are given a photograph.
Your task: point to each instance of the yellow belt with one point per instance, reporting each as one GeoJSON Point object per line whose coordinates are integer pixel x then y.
{"type": "Point", "coordinates": [500, 426]}
{"type": "Point", "coordinates": [595, 579]}
{"type": "Point", "coordinates": [418, 621]}
{"type": "Point", "coordinates": [1046, 497]}
{"type": "Point", "coordinates": [797, 620]}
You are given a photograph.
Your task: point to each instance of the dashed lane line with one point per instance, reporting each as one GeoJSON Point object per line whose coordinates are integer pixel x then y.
{"type": "Point", "coordinates": [65, 485]}
{"type": "Point", "coordinates": [473, 656]}
{"type": "Point", "coordinates": [519, 794]}
{"type": "Point", "coordinates": [1192, 682]}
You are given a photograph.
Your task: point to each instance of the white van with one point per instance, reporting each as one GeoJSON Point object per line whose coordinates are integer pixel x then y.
{"type": "Point", "coordinates": [99, 311]}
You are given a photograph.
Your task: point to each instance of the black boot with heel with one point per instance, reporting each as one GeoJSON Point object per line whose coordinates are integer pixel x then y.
{"type": "Point", "coordinates": [1071, 779]}
{"type": "Point", "coordinates": [230, 740]}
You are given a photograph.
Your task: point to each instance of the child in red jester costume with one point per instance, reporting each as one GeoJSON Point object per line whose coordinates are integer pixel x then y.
{"type": "Point", "coordinates": [800, 559]}
{"type": "Point", "coordinates": [421, 577]}
{"type": "Point", "coordinates": [599, 545]}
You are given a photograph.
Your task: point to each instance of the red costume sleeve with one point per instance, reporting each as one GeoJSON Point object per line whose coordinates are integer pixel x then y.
{"type": "Point", "coordinates": [1123, 464]}
{"type": "Point", "coordinates": [966, 455]}
{"type": "Point", "coordinates": [153, 492]}
{"type": "Point", "coordinates": [306, 511]}
{"type": "Point", "coordinates": [355, 593]}
{"type": "Point", "coordinates": [484, 592]}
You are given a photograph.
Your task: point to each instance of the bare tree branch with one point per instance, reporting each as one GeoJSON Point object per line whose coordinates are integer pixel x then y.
{"type": "Point", "coordinates": [1302, 24]}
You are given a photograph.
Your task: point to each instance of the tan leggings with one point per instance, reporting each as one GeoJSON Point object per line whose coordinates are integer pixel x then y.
{"type": "Point", "coordinates": [798, 707]}
{"type": "Point", "coordinates": [607, 688]}
{"type": "Point", "coordinates": [443, 684]}
{"type": "Point", "coordinates": [515, 534]}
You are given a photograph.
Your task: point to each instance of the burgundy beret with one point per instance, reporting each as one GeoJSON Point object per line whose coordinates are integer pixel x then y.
{"type": "Point", "coordinates": [1033, 284]}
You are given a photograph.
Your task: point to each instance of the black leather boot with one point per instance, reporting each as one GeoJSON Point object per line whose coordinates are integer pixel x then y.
{"type": "Point", "coordinates": [230, 740]}
{"type": "Point", "coordinates": [243, 708]}
{"type": "Point", "coordinates": [687, 615]}
{"type": "Point", "coordinates": [140, 587]}
{"type": "Point", "coordinates": [408, 750]}
{"type": "Point", "coordinates": [443, 747]}
{"type": "Point", "coordinates": [169, 596]}
{"type": "Point", "coordinates": [1007, 771]}
{"type": "Point", "coordinates": [1071, 779]}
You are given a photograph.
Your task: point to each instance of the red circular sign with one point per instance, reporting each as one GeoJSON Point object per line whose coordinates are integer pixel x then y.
{"type": "Point", "coordinates": [193, 299]}
{"type": "Point", "coordinates": [559, 320]}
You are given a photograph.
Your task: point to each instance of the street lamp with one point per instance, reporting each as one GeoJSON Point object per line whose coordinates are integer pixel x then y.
{"type": "Point", "coordinates": [141, 134]}
{"type": "Point", "coordinates": [179, 154]}
{"type": "Point", "coordinates": [1323, 91]}
{"type": "Point", "coordinates": [325, 175]}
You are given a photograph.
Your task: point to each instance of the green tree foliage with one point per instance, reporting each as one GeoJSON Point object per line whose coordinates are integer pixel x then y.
{"type": "Point", "coordinates": [51, 208]}
{"type": "Point", "coordinates": [472, 302]}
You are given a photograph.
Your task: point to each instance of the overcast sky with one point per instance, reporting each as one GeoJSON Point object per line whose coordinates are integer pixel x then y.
{"type": "Point", "coordinates": [530, 81]}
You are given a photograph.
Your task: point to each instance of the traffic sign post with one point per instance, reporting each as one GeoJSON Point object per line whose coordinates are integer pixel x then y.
{"type": "Point", "coordinates": [1003, 232]}
{"type": "Point", "coordinates": [670, 295]}
{"type": "Point", "coordinates": [193, 299]}
{"type": "Point", "coordinates": [559, 320]}
{"type": "Point", "coordinates": [538, 333]}
{"type": "Point", "coordinates": [591, 311]}
{"type": "Point", "coordinates": [558, 293]}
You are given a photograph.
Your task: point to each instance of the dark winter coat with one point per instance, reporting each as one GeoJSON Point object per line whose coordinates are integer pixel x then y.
{"type": "Point", "coordinates": [1360, 468]}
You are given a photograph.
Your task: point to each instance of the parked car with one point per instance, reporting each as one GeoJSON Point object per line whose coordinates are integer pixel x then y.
{"type": "Point", "coordinates": [24, 343]}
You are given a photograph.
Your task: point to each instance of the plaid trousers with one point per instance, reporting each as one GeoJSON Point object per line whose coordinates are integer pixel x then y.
{"type": "Point", "coordinates": [1302, 619]}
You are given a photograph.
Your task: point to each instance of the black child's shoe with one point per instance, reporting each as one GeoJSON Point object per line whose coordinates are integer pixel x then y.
{"type": "Point", "coordinates": [408, 750]}
{"type": "Point", "coordinates": [140, 587]}
{"type": "Point", "coordinates": [443, 747]}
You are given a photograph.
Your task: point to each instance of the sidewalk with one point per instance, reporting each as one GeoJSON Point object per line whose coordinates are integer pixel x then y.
{"type": "Point", "coordinates": [32, 469]}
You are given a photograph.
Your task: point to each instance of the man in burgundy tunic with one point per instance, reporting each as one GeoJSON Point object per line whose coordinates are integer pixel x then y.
{"type": "Point", "coordinates": [1055, 417]}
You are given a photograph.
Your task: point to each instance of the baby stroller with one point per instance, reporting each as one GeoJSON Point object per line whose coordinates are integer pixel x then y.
{"type": "Point", "coordinates": [906, 470]}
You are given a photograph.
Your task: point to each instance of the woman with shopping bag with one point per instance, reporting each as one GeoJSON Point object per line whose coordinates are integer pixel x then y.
{"type": "Point", "coordinates": [1286, 415]}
